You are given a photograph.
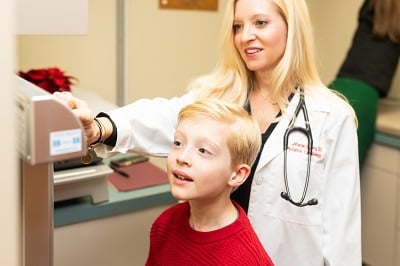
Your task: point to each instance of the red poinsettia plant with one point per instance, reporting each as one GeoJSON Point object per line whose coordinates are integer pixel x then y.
{"type": "Point", "coordinates": [50, 79]}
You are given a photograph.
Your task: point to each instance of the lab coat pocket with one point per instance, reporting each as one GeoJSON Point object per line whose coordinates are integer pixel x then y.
{"type": "Point", "coordinates": [297, 186]}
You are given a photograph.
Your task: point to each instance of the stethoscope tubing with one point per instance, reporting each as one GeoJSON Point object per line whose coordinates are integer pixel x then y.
{"type": "Point", "coordinates": [301, 106]}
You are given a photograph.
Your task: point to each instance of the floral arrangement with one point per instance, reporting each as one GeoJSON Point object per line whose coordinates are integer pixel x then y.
{"type": "Point", "coordinates": [50, 79]}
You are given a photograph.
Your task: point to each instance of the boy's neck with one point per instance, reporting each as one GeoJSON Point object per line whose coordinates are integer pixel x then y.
{"type": "Point", "coordinates": [209, 217]}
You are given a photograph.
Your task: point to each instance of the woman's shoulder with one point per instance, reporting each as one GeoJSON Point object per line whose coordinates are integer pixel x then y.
{"type": "Point", "coordinates": [327, 100]}
{"type": "Point", "coordinates": [330, 109]}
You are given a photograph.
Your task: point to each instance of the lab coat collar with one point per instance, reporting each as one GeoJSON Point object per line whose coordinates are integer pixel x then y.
{"type": "Point", "coordinates": [274, 145]}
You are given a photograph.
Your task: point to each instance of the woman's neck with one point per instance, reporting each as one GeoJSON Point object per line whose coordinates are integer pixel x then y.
{"type": "Point", "coordinates": [263, 109]}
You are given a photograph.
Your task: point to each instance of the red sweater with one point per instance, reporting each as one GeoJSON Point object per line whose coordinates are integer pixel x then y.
{"type": "Point", "coordinates": [173, 242]}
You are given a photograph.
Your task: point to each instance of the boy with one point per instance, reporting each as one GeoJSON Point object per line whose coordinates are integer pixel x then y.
{"type": "Point", "coordinates": [214, 146]}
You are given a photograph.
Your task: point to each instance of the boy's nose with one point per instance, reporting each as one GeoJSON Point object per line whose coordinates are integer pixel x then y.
{"type": "Point", "coordinates": [183, 157]}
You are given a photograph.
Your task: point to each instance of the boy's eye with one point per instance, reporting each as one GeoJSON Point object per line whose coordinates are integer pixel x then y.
{"type": "Point", "coordinates": [204, 151]}
{"type": "Point", "coordinates": [177, 143]}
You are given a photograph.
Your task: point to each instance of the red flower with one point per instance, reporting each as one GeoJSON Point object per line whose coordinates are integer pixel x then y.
{"type": "Point", "coordinates": [50, 79]}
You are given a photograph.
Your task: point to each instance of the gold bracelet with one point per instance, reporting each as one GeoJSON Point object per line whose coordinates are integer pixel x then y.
{"type": "Point", "coordinates": [102, 130]}
{"type": "Point", "coordinates": [90, 154]}
{"type": "Point", "coordinates": [99, 125]}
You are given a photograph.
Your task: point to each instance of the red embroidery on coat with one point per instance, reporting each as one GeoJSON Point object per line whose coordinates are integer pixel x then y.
{"type": "Point", "coordinates": [302, 148]}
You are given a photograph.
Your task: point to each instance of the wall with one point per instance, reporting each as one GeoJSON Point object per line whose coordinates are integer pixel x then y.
{"type": "Point", "coordinates": [33, 16]}
{"type": "Point", "coordinates": [188, 39]}
{"type": "Point", "coordinates": [10, 222]}
{"type": "Point", "coordinates": [91, 58]}
{"type": "Point", "coordinates": [334, 23]}
{"type": "Point", "coordinates": [171, 48]}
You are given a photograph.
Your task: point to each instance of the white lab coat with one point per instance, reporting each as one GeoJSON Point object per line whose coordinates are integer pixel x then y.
{"type": "Point", "coordinates": [328, 233]}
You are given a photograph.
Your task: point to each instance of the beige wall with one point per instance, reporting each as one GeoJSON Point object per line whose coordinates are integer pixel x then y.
{"type": "Point", "coordinates": [91, 58]}
{"type": "Point", "coordinates": [10, 194]}
{"type": "Point", "coordinates": [167, 49]}
{"type": "Point", "coordinates": [170, 47]}
{"type": "Point", "coordinates": [334, 23]}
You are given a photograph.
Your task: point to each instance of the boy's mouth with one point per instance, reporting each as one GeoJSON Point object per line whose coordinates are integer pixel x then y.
{"type": "Point", "coordinates": [184, 178]}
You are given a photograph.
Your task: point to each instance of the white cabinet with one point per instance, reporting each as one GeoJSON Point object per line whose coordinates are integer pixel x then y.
{"type": "Point", "coordinates": [380, 197]}
{"type": "Point", "coordinates": [115, 240]}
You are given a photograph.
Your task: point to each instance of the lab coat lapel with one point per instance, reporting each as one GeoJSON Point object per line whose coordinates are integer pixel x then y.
{"type": "Point", "coordinates": [274, 145]}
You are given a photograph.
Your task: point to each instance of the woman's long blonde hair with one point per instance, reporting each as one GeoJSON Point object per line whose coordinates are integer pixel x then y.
{"type": "Point", "coordinates": [386, 19]}
{"type": "Point", "coordinates": [232, 81]}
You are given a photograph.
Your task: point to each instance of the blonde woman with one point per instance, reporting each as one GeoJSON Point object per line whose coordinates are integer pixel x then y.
{"type": "Point", "coordinates": [302, 196]}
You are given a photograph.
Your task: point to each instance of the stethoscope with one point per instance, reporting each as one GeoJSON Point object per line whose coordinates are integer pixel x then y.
{"type": "Point", "coordinates": [307, 131]}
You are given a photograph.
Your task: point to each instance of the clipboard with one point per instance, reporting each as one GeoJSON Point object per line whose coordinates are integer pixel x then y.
{"type": "Point", "coordinates": [141, 175]}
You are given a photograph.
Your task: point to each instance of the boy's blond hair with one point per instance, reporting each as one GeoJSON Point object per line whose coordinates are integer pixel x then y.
{"type": "Point", "coordinates": [244, 138]}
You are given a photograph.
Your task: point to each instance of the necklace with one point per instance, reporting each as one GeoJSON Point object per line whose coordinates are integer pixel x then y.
{"type": "Point", "coordinates": [260, 93]}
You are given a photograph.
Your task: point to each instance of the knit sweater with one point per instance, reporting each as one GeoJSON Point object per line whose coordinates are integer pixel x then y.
{"type": "Point", "coordinates": [174, 242]}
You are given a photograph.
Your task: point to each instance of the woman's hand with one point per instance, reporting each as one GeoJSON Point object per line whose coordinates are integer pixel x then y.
{"type": "Point", "coordinates": [81, 109]}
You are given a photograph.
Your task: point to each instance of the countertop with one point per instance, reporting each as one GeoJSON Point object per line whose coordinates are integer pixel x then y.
{"type": "Point", "coordinates": [388, 123]}
{"type": "Point", "coordinates": [82, 209]}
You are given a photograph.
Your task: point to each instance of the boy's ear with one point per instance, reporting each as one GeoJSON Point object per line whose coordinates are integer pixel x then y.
{"type": "Point", "coordinates": [240, 175]}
